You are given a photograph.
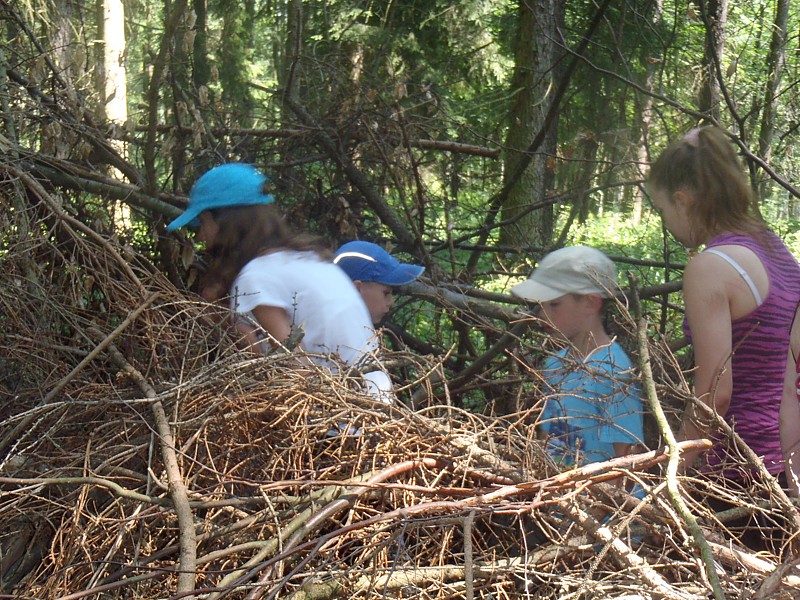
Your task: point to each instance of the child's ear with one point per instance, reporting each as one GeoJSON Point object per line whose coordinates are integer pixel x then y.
{"type": "Point", "coordinates": [595, 301]}
{"type": "Point", "coordinates": [683, 198]}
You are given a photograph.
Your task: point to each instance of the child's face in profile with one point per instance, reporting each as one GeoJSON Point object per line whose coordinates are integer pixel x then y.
{"type": "Point", "coordinates": [209, 228]}
{"type": "Point", "coordinates": [674, 212]}
{"type": "Point", "coordinates": [378, 298]}
{"type": "Point", "coordinates": [566, 316]}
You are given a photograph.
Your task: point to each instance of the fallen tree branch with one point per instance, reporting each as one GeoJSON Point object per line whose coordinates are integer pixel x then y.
{"type": "Point", "coordinates": [288, 132]}
{"type": "Point", "coordinates": [25, 422]}
{"type": "Point", "coordinates": [187, 564]}
{"type": "Point", "coordinates": [342, 503]}
{"type": "Point", "coordinates": [626, 557]}
{"type": "Point", "coordinates": [400, 578]}
{"type": "Point", "coordinates": [586, 475]}
{"type": "Point", "coordinates": [671, 474]}
{"type": "Point", "coordinates": [111, 486]}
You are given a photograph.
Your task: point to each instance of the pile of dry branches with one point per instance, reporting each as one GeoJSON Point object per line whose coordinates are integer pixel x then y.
{"type": "Point", "coordinates": [142, 455]}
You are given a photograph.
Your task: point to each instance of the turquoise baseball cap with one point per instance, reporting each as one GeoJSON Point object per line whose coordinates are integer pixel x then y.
{"type": "Point", "coordinates": [231, 184]}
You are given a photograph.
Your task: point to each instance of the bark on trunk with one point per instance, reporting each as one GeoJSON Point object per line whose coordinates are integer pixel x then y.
{"type": "Point", "coordinates": [532, 86]}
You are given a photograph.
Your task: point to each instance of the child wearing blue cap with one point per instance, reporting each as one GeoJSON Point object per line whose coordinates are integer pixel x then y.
{"type": "Point", "coordinates": [375, 274]}
{"type": "Point", "coordinates": [277, 279]}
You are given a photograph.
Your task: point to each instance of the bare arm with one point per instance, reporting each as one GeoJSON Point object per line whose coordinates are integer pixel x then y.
{"type": "Point", "coordinates": [272, 319]}
{"type": "Point", "coordinates": [706, 296]}
{"type": "Point", "coordinates": [790, 413]}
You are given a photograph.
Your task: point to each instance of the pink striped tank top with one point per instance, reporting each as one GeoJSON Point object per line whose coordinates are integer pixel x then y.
{"type": "Point", "coordinates": [760, 342]}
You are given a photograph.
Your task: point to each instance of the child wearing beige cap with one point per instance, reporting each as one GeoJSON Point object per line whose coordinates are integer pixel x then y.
{"type": "Point", "coordinates": [593, 407]}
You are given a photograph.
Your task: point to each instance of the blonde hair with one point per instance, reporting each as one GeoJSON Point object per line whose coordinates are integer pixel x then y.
{"type": "Point", "coordinates": [704, 163]}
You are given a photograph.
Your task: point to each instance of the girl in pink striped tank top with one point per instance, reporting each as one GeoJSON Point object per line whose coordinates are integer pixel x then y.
{"type": "Point", "coordinates": [740, 296]}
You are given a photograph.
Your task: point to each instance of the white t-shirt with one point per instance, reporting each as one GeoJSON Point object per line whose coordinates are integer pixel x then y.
{"type": "Point", "coordinates": [321, 298]}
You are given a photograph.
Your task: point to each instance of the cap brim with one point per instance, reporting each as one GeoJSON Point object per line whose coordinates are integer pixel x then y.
{"type": "Point", "coordinates": [402, 275]}
{"type": "Point", "coordinates": [189, 217]}
{"type": "Point", "coordinates": [533, 291]}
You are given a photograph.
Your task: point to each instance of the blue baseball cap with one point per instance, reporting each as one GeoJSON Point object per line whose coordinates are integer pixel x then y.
{"type": "Point", "coordinates": [365, 261]}
{"type": "Point", "coordinates": [232, 184]}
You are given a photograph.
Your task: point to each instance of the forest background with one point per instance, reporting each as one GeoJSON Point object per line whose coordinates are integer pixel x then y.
{"type": "Point", "coordinates": [472, 137]}
{"type": "Point", "coordinates": [469, 136]}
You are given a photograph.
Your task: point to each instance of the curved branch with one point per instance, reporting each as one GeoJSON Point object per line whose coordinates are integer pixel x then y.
{"type": "Point", "coordinates": [673, 448]}
{"type": "Point", "coordinates": [342, 503]}
{"type": "Point", "coordinates": [177, 488]}
{"type": "Point", "coordinates": [111, 486]}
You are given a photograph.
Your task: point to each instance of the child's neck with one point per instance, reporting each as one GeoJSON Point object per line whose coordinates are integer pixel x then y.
{"type": "Point", "coordinates": [586, 342]}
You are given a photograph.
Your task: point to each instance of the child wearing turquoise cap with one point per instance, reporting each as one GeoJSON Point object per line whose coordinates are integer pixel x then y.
{"type": "Point", "coordinates": [278, 281]}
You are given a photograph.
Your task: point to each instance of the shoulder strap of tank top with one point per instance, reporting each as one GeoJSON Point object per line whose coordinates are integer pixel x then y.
{"type": "Point", "coordinates": [744, 275]}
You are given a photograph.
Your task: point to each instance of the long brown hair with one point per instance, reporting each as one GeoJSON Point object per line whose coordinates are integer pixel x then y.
{"type": "Point", "coordinates": [246, 232]}
{"type": "Point", "coordinates": [705, 164]}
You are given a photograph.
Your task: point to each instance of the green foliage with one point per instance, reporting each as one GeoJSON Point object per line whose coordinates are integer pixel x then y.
{"type": "Point", "coordinates": [783, 219]}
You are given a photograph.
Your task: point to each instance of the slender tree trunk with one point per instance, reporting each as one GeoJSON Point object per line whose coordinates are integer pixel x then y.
{"type": "Point", "coordinates": [55, 140]}
{"type": "Point", "coordinates": [201, 69]}
{"type": "Point", "coordinates": [180, 85]}
{"type": "Point", "coordinates": [113, 88]}
{"type": "Point", "coordinates": [776, 64]}
{"type": "Point", "coordinates": [645, 118]}
{"type": "Point", "coordinates": [289, 68]}
{"type": "Point", "coordinates": [9, 125]}
{"type": "Point", "coordinates": [532, 83]}
{"type": "Point", "coordinates": [234, 60]}
{"type": "Point", "coordinates": [115, 91]}
{"type": "Point", "coordinates": [289, 76]}
{"type": "Point", "coordinates": [715, 16]}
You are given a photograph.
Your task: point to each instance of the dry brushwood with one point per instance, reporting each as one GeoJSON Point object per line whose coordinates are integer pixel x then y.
{"type": "Point", "coordinates": [143, 455]}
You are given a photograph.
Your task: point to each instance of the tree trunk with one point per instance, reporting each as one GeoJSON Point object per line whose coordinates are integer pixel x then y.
{"type": "Point", "coordinates": [201, 69]}
{"type": "Point", "coordinates": [9, 126]}
{"type": "Point", "coordinates": [115, 91]}
{"type": "Point", "coordinates": [645, 118]}
{"type": "Point", "coordinates": [715, 16]}
{"type": "Point", "coordinates": [55, 140]}
{"type": "Point", "coordinates": [289, 76]}
{"type": "Point", "coordinates": [532, 84]}
{"type": "Point", "coordinates": [234, 60]}
{"type": "Point", "coordinates": [776, 64]}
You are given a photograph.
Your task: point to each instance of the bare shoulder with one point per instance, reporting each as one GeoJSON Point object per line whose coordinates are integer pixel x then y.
{"type": "Point", "coordinates": [707, 270]}
{"type": "Point", "coordinates": [741, 278]}
{"type": "Point", "coordinates": [741, 254]}
{"type": "Point", "coordinates": [705, 286]}
{"type": "Point", "coordinates": [706, 264]}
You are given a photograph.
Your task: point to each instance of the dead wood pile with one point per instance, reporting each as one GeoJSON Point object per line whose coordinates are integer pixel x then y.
{"type": "Point", "coordinates": [143, 456]}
